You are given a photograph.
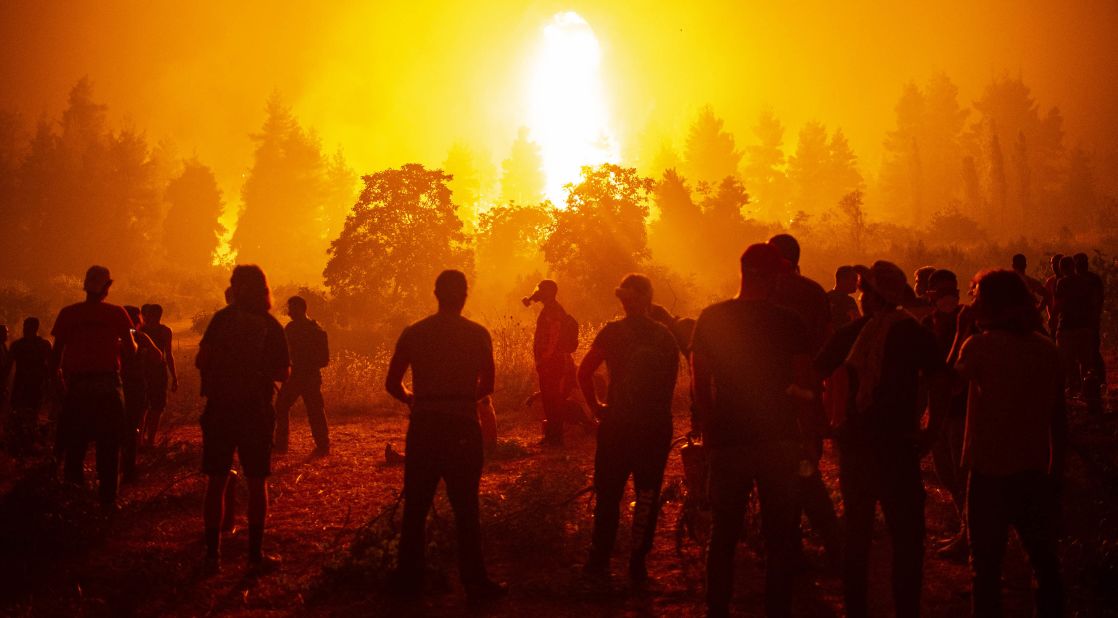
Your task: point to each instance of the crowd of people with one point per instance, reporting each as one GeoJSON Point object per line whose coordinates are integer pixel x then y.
{"type": "Point", "coordinates": [898, 373]}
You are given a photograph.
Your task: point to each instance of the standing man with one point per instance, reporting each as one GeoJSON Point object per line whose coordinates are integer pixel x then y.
{"type": "Point", "coordinates": [886, 355]}
{"type": "Point", "coordinates": [1035, 287]}
{"type": "Point", "coordinates": [1050, 288]}
{"type": "Point", "coordinates": [161, 335]}
{"type": "Point", "coordinates": [844, 309]}
{"type": "Point", "coordinates": [310, 352]}
{"type": "Point", "coordinates": [5, 364]}
{"type": "Point", "coordinates": [1016, 440]}
{"type": "Point", "coordinates": [642, 358]}
{"type": "Point", "coordinates": [241, 356]}
{"type": "Point", "coordinates": [90, 338]}
{"type": "Point", "coordinates": [30, 358]}
{"type": "Point", "coordinates": [748, 356]}
{"type": "Point", "coordinates": [1075, 333]}
{"type": "Point", "coordinates": [134, 372]}
{"type": "Point", "coordinates": [1098, 301]}
{"type": "Point", "coordinates": [555, 340]}
{"type": "Point", "coordinates": [451, 360]}
{"type": "Point", "coordinates": [811, 304]}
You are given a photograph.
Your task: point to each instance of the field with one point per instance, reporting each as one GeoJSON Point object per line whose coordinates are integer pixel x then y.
{"type": "Point", "coordinates": [332, 522]}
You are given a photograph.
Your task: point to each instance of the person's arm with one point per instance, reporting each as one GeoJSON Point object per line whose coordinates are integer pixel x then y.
{"type": "Point", "coordinates": [281, 369]}
{"type": "Point", "coordinates": [487, 377]}
{"type": "Point", "coordinates": [397, 367]}
{"type": "Point", "coordinates": [169, 355]}
{"type": "Point", "coordinates": [125, 331]}
{"type": "Point", "coordinates": [586, 369]}
{"type": "Point", "coordinates": [939, 380]}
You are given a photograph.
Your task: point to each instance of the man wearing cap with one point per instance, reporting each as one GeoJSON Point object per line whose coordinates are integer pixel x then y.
{"type": "Point", "coordinates": [886, 355]}
{"type": "Point", "coordinates": [89, 339]}
{"type": "Point", "coordinates": [552, 351]}
{"type": "Point", "coordinates": [451, 360]}
{"type": "Point", "coordinates": [750, 357]}
{"type": "Point", "coordinates": [642, 359]}
{"type": "Point", "coordinates": [807, 300]}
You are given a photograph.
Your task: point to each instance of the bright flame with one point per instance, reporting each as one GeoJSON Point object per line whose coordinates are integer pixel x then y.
{"type": "Point", "coordinates": [567, 113]}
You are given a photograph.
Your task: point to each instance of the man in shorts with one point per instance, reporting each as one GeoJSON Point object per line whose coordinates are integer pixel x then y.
{"type": "Point", "coordinates": [241, 356]}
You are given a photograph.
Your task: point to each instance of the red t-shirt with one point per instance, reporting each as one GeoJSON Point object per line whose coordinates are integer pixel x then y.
{"type": "Point", "coordinates": [90, 334]}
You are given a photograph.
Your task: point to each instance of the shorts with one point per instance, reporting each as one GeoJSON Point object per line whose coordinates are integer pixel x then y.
{"type": "Point", "coordinates": [242, 427]}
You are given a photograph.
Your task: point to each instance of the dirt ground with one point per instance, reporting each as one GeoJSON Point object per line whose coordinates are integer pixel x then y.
{"type": "Point", "coordinates": [62, 556]}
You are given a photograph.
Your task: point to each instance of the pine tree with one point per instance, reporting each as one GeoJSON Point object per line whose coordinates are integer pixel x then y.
{"type": "Point", "coordinates": [192, 228]}
{"type": "Point", "coordinates": [522, 178]}
{"type": "Point", "coordinates": [764, 171]}
{"type": "Point", "coordinates": [709, 153]}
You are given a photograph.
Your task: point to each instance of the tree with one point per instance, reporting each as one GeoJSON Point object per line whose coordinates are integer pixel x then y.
{"type": "Point", "coordinates": [764, 171]}
{"type": "Point", "coordinates": [709, 153]}
{"type": "Point", "coordinates": [402, 232]}
{"type": "Point", "coordinates": [600, 235]}
{"type": "Point", "coordinates": [843, 175]}
{"type": "Point", "coordinates": [341, 191]}
{"type": "Point", "coordinates": [809, 168]}
{"type": "Point", "coordinates": [192, 228]}
{"type": "Point", "coordinates": [677, 229]}
{"type": "Point", "coordinates": [522, 179]}
{"type": "Point", "coordinates": [853, 219]}
{"type": "Point", "coordinates": [284, 195]}
{"type": "Point", "coordinates": [508, 246]}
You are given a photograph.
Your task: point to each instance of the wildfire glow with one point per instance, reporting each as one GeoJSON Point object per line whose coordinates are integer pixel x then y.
{"type": "Point", "coordinates": [567, 113]}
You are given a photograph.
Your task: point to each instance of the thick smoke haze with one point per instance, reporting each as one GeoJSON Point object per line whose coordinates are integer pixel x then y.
{"type": "Point", "coordinates": [392, 82]}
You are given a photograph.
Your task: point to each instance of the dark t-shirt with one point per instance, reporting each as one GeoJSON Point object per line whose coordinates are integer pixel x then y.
{"type": "Point", "coordinates": [91, 335]}
{"type": "Point", "coordinates": [448, 355]}
{"type": "Point", "coordinates": [911, 351]}
{"type": "Point", "coordinates": [303, 338]}
{"type": "Point", "coordinates": [944, 327]}
{"type": "Point", "coordinates": [809, 302]}
{"type": "Point", "coordinates": [749, 346]}
{"type": "Point", "coordinates": [244, 351]}
{"type": "Point", "coordinates": [31, 358]}
{"type": "Point", "coordinates": [642, 358]}
{"type": "Point", "coordinates": [1075, 299]}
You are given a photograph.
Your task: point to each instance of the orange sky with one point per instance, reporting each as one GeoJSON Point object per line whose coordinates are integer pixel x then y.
{"type": "Point", "coordinates": [393, 82]}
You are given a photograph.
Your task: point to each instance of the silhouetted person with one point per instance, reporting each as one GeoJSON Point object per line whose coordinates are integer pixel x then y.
{"type": "Point", "coordinates": [918, 303]}
{"type": "Point", "coordinates": [90, 338]}
{"type": "Point", "coordinates": [844, 309]}
{"type": "Point", "coordinates": [1050, 288]}
{"type": "Point", "coordinates": [310, 352]}
{"type": "Point", "coordinates": [241, 356]}
{"type": "Point", "coordinates": [451, 360]}
{"type": "Point", "coordinates": [157, 383]}
{"type": "Point", "coordinates": [555, 339]}
{"type": "Point", "coordinates": [943, 292]}
{"type": "Point", "coordinates": [1075, 330]}
{"type": "Point", "coordinates": [1098, 298]}
{"type": "Point", "coordinates": [1016, 440]}
{"type": "Point", "coordinates": [807, 300]}
{"type": "Point", "coordinates": [885, 354]}
{"type": "Point", "coordinates": [748, 356]}
{"type": "Point", "coordinates": [29, 359]}
{"type": "Point", "coordinates": [642, 359]}
{"type": "Point", "coordinates": [5, 363]}
{"type": "Point", "coordinates": [1036, 288]}
{"type": "Point", "coordinates": [134, 372]}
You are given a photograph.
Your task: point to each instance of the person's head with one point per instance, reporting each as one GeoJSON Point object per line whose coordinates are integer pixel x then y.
{"type": "Point", "coordinates": [921, 277]}
{"type": "Point", "coordinates": [1020, 264]}
{"type": "Point", "coordinates": [635, 294]}
{"type": "Point", "coordinates": [883, 286]}
{"type": "Point", "coordinates": [846, 279]}
{"type": "Point", "coordinates": [1002, 301]}
{"type": "Point", "coordinates": [943, 290]}
{"type": "Point", "coordinates": [1082, 264]}
{"type": "Point", "coordinates": [152, 313]}
{"type": "Point", "coordinates": [761, 264]}
{"type": "Point", "coordinates": [97, 283]}
{"type": "Point", "coordinates": [788, 247]}
{"type": "Point", "coordinates": [450, 290]}
{"type": "Point", "coordinates": [1067, 266]}
{"type": "Point", "coordinates": [297, 307]}
{"type": "Point", "coordinates": [31, 327]}
{"type": "Point", "coordinates": [133, 314]}
{"type": "Point", "coordinates": [545, 292]}
{"type": "Point", "coordinates": [1055, 262]}
{"type": "Point", "coordinates": [248, 289]}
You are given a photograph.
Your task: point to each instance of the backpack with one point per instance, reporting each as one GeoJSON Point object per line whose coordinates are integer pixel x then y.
{"type": "Point", "coordinates": [319, 351]}
{"type": "Point", "coordinates": [568, 334]}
